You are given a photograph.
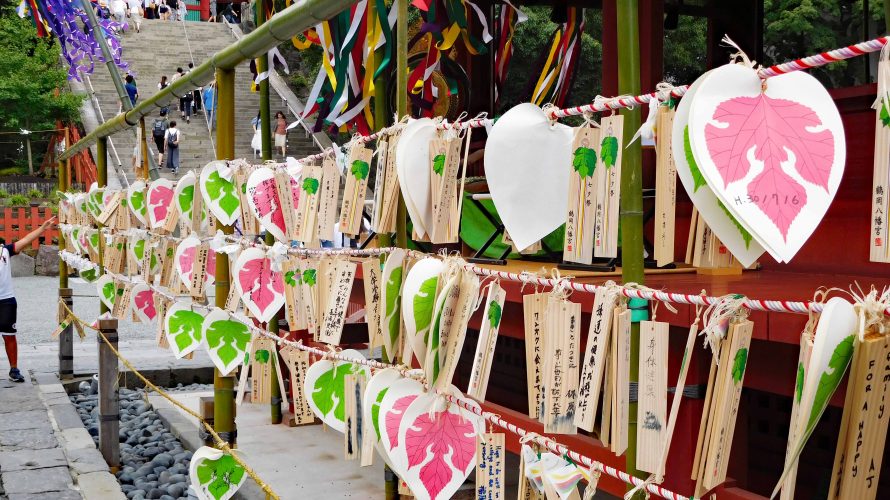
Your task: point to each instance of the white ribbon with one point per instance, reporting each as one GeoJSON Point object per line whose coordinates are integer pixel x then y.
{"type": "Point", "coordinates": [486, 36]}
{"type": "Point", "coordinates": [226, 171]}
{"type": "Point", "coordinates": [277, 254]}
{"type": "Point", "coordinates": [647, 130]}
{"type": "Point", "coordinates": [218, 241]}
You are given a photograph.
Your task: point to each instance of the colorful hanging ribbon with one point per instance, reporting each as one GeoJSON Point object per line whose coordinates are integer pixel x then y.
{"type": "Point", "coordinates": [508, 18]}
{"type": "Point", "coordinates": [556, 76]}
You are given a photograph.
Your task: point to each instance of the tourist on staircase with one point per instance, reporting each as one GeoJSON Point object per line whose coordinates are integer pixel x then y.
{"type": "Point", "coordinates": [173, 10]}
{"type": "Point", "coordinates": [163, 10]}
{"type": "Point", "coordinates": [196, 94]}
{"type": "Point", "coordinates": [185, 102]}
{"type": "Point", "coordinates": [281, 133]}
{"type": "Point", "coordinates": [119, 11]}
{"type": "Point", "coordinates": [151, 9]}
{"type": "Point", "coordinates": [210, 105]}
{"type": "Point", "coordinates": [132, 92]}
{"type": "Point", "coordinates": [159, 134]}
{"type": "Point", "coordinates": [171, 138]}
{"type": "Point", "coordinates": [135, 7]}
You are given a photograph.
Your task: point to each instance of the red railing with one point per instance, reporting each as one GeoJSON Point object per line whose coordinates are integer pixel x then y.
{"type": "Point", "coordinates": [16, 222]}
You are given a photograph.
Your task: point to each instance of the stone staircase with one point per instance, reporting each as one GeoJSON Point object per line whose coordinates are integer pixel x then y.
{"type": "Point", "coordinates": [158, 50]}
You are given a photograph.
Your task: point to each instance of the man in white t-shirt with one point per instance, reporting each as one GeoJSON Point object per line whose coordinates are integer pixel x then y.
{"type": "Point", "coordinates": [7, 298]}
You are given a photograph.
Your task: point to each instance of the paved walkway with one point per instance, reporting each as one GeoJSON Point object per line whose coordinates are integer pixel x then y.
{"type": "Point", "coordinates": [45, 453]}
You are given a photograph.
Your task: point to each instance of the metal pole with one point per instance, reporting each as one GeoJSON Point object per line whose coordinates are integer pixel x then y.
{"type": "Point", "coordinates": [109, 404]}
{"type": "Point", "coordinates": [631, 204]}
{"type": "Point", "coordinates": [402, 107]}
{"type": "Point", "coordinates": [66, 341]}
{"type": "Point", "coordinates": [224, 387]}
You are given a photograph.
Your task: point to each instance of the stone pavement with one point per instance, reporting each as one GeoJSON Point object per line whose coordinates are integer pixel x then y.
{"type": "Point", "coordinates": [44, 450]}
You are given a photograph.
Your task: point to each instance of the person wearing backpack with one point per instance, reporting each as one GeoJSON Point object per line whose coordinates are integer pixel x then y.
{"type": "Point", "coordinates": [171, 138]}
{"type": "Point", "coordinates": [159, 134]}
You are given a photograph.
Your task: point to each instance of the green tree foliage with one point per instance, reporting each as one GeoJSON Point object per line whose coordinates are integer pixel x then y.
{"type": "Point", "coordinates": [30, 75]}
{"type": "Point", "coordinates": [685, 50]}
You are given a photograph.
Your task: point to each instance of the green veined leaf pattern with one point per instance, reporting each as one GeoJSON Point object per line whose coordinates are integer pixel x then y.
{"type": "Point", "coordinates": [229, 338]}
{"type": "Point", "coordinates": [222, 192]}
{"type": "Point", "coordinates": [424, 303]}
{"type": "Point", "coordinates": [360, 169]}
{"type": "Point", "coordinates": [292, 278]}
{"type": "Point", "coordinates": [738, 365]}
{"type": "Point", "coordinates": [494, 314]}
{"type": "Point", "coordinates": [798, 386]}
{"type": "Point", "coordinates": [328, 391]}
{"type": "Point", "coordinates": [185, 327]}
{"type": "Point", "coordinates": [393, 304]}
{"type": "Point", "coordinates": [829, 380]}
{"type": "Point", "coordinates": [309, 277]}
{"type": "Point", "coordinates": [219, 476]}
{"type": "Point", "coordinates": [609, 151]}
{"type": "Point", "coordinates": [262, 356]}
{"type": "Point", "coordinates": [584, 161]}
{"type": "Point", "coordinates": [439, 164]}
{"type": "Point", "coordinates": [310, 185]}
{"type": "Point", "coordinates": [885, 114]}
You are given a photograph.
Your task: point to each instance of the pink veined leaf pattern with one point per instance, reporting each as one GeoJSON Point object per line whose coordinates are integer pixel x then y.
{"type": "Point", "coordinates": [144, 301]}
{"type": "Point", "coordinates": [265, 199]}
{"type": "Point", "coordinates": [393, 419]}
{"type": "Point", "coordinates": [449, 438]}
{"type": "Point", "coordinates": [211, 264]}
{"type": "Point", "coordinates": [186, 262]}
{"type": "Point", "coordinates": [260, 283]}
{"type": "Point", "coordinates": [773, 127]}
{"type": "Point", "coordinates": [159, 200]}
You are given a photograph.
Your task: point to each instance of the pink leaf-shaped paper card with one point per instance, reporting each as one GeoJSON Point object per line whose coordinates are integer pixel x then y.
{"type": "Point", "coordinates": [774, 158]}
{"type": "Point", "coordinates": [160, 201]}
{"type": "Point", "coordinates": [395, 402]}
{"type": "Point", "coordinates": [439, 446]}
{"type": "Point", "coordinates": [262, 196]}
{"type": "Point", "coordinates": [184, 258]}
{"type": "Point", "coordinates": [261, 288]}
{"type": "Point", "coordinates": [143, 299]}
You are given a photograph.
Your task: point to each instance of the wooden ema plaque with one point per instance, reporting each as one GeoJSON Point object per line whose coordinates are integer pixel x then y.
{"type": "Point", "coordinates": [620, 380]}
{"type": "Point", "coordinates": [263, 357]}
{"type": "Point", "coordinates": [534, 312]}
{"type": "Point", "coordinates": [444, 165]}
{"type": "Point", "coordinates": [339, 288]}
{"type": "Point", "coordinates": [490, 456]}
{"type": "Point", "coordinates": [608, 182]}
{"type": "Point", "coordinates": [306, 220]}
{"type": "Point", "coordinates": [327, 200]}
{"type": "Point", "coordinates": [863, 433]}
{"type": "Point", "coordinates": [288, 199]}
{"type": "Point", "coordinates": [561, 365]}
{"type": "Point", "coordinates": [597, 350]}
{"type": "Point", "coordinates": [721, 408]}
{"type": "Point", "coordinates": [665, 189]}
{"type": "Point", "coordinates": [652, 394]}
{"type": "Point", "coordinates": [379, 182]}
{"type": "Point", "coordinates": [372, 274]}
{"type": "Point", "coordinates": [297, 363]}
{"type": "Point", "coordinates": [354, 437]}
{"type": "Point", "coordinates": [582, 196]}
{"type": "Point", "coordinates": [353, 204]}
{"type": "Point", "coordinates": [391, 188]}
{"type": "Point", "coordinates": [488, 335]}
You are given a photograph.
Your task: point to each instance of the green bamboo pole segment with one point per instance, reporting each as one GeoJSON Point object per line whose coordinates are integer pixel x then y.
{"type": "Point", "coordinates": [402, 107]}
{"type": "Point", "coordinates": [63, 167]}
{"type": "Point", "coordinates": [381, 119]}
{"type": "Point", "coordinates": [224, 387]}
{"type": "Point", "coordinates": [279, 28]}
{"type": "Point", "coordinates": [631, 204]}
{"type": "Point", "coordinates": [102, 181]}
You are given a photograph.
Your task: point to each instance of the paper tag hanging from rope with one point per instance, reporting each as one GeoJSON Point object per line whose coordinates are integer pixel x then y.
{"type": "Point", "coordinates": [534, 309]}
{"type": "Point", "coordinates": [338, 300]}
{"type": "Point", "coordinates": [619, 366]}
{"type": "Point", "coordinates": [444, 165]}
{"type": "Point", "coordinates": [297, 363]}
{"type": "Point", "coordinates": [353, 204]}
{"type": "Point", "coordinates": [488, 335]}
{"type": "Point", "coordinates": [490, 458]}
{"type": "Point", "coordinates": [327, 200]}
{"type": "Point", "coordinates": [371, 273]}
{"type": "Point", "coordinates": [665, 189]}
{"type": "Point", "coordinates": [306, 219]}
{"type": "Point", "coordinates": [597, 350]}
{"type": "Point", "coordinates": [561, 365]}
{"type": "Point", "coordinates": [263, 356]}
{"type": "Point", "coordinates": [880, 193]}
{"type": "Point", "coordinates": [652, 394]}
{"type": "Point", "coordinates": [582, 195]}
{"type": "Point", "coordinates": [353, 436]}
{"type": "Point", "coordinates": [293, 294]}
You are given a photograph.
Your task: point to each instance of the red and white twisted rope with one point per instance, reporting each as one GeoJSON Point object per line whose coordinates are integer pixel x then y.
{"type": "Point", "coordinates": [824, 58]}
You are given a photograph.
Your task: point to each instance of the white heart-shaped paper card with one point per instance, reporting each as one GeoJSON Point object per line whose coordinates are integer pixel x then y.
{"type": "Point", "coordinates": [143, 302]}
{"type": "Point", "coordinates": [375, 390]}
{"type": "Point", "coordinates": [160, 201]}
{"type": "Point", "coordinates": [107, 290]}
{"type": "Point", "coordinates": [323, 388]}
{"type": "Point", "coordinates": [219, 192]}
{"type": "Point", "coordinates": [184, 328]}
{"type": "Point", "coordinates": [525, 158]}
{"type": "Point", "coordinates": [185, 198]}
{"type": "Point", "coordinates": [392, 409]}
{"type": "Point", "coordinates": [418, 303]}
{"type": "Point", "coordinates": [184, 259]}
{"type": "Point", "coordinates": [226, 339]}
{"type": "Point", "coordinates": [731, 233]}
{"type": "Point", "coordinates": [262, 196]}
{"type": "Point", "coordinates": [439, 450]}
{"type": "Point", "coordinates": [215, 475]}
{"type": "Point", "coordinates": [774, 157]}
{"type": "Point", "coordinates": [261, 288]}
{"type": "Point", "coordinates": [413, 168]}
{"type": "Point", "coordinates": [136, 201]}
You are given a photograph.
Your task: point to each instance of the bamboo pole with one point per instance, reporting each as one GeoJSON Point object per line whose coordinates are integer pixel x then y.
{"type": "Point", "coordinates": [631, 203]}
{"type": "Point", "coordinates": [402, 108]}
{"type": "Point", "coordinates": [66, 338]}
{"type": "Point", "coordinates": [224, 387]}
{"type": "Point", "coordinates": [266, 140]}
